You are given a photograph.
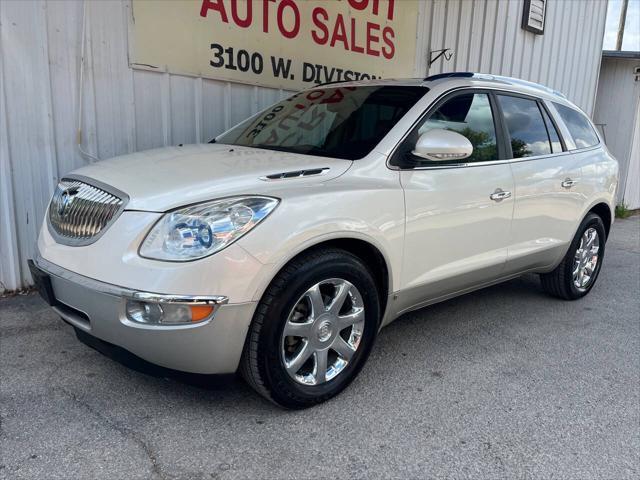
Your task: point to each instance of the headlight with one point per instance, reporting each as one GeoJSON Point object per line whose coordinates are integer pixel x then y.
{"type": "Point", "coordinates": [201, 230]}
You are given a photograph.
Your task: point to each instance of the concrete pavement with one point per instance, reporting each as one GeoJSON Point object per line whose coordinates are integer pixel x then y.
{"type": "Point", "coordinates": [502, 383]}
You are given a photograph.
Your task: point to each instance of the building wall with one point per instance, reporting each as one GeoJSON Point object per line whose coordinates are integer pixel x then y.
{"type": "Point", "coordinates": [486, 37]}
{"type": "Point", "coordinates": [631, 195]}
{"type": "Point", "coordinates": [125, 110]}
{"type": "Point", "coordinates": [617, 114]}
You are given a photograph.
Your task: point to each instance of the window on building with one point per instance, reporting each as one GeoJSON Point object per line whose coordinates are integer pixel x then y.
{"type": "Point", "coordinates": [527, 130]}
{"type": "Point", "coordinates": [578, 125]}
{"type": "Point", "coordinates": [471, 116]}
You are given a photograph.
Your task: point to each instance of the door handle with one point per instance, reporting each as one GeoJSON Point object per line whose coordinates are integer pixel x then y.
{"type": "Point", "coordinates": [568, 183]}
{"type": "Point", "coordinates": [499, 195]}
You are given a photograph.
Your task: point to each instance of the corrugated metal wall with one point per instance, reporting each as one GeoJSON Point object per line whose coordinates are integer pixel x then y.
{"type": "Point", "coordinates": [632, 184]}
{"type": "Point", "coordinates": [126, 110]}
{"type": "Point", "coordinates": [485, 36]}
{"type": "Point", "coordinates": [617, 114]}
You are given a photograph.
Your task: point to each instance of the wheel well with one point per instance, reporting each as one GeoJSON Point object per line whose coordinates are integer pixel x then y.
{"type": "Point", "coordinates": [371, 257]}
{"type": "Point", "coordinates": [604, 212]}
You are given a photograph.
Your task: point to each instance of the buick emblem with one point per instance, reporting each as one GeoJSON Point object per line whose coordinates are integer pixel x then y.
{"type": "Point", "coordinates": [66, 199]}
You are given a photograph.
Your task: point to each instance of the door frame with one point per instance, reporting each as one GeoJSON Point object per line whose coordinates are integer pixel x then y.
{"type": "Point", "coordinates": [502, 132]}
{"type": "Point", "coordinates": [499, 125]}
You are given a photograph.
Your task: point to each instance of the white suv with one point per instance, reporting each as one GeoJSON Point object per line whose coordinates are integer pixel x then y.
{"type": "Point", "coordinates": [281, 248]}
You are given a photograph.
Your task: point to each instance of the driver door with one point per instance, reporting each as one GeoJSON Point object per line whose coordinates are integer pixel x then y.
{"type": "Point", "coordinates": [457, 221]}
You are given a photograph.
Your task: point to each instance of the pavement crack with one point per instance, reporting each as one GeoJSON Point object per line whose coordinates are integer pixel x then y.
{"type": "Point", "coordinates": [122, 430]}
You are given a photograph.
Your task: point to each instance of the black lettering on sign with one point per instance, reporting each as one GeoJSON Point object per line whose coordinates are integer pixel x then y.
{"type": "Point", "coordinates": [231, 60]}
{"type": "Point", "coordinates": [243, 60]}
{"type": "Point", "coordinates": [308, 72]}
{"type": "Point", "coordinates": [217, 55]}
{"type": "Point", "coordinates": [230, 65]}
{"type": "Point", "coordinates": [253, 62]}
{"type": "Point", "coordinates": [256, 63]}
{"type": "Point", "coordinates": [280, 67]}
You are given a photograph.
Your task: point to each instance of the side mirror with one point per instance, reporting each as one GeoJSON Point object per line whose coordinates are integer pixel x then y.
{"type": "Point", "coordinates": [437, 145]}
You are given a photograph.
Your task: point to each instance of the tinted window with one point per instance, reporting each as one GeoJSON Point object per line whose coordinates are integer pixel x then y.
{"type": "Point", "coordinates": [556, 144]}
{"type": "Point", "coordinates": [579, 127]}
{"type": "Point", "coordinates": [340, 122]}
{"type": "Point", "coordinates": [527, 130]}
{"type": "Point", "coordinates": [470, 115]}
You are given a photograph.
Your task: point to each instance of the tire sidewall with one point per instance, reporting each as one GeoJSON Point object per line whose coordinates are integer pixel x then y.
{"type": "Point", "coordinates": [286, 390]}
{"type": "Point", "coordinates": [591, 221]}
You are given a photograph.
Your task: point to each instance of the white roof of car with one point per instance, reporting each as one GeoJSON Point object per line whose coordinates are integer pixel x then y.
{"type": "Point", "coordinates": [469, 79]}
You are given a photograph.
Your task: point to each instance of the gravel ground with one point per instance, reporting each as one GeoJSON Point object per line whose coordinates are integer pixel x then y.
{"type": "Point", "coordinates": [502, 383]}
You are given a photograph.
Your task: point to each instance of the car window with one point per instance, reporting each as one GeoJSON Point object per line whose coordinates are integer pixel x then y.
{"type": "Point", "coordinates": [578, 125]}
{"type": "Point", "coordinates": [470, 115]}
{"type": "Point", "coordinates": [339, 122]}
{"type": "Point", "coordinates": [527, 130]}
{"type": "Point", "coordinates": [554, 136]}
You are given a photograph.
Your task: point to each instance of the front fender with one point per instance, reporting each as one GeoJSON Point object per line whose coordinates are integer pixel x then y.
{"type": "Point", "coordinates": [299, 224]}
{"type": "Point", "coordinates": [285, 257]}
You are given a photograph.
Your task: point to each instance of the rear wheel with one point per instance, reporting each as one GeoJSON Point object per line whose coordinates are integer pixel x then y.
{"type": "Point", "coordinates": [313, 329]}
{"type": "Point", "coordinates": [578, 271]}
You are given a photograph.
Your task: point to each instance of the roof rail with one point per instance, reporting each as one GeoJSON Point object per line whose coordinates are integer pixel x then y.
{"type": "Point", "coordinates": [499, 78]}
{"type": "Point", "coordinates": [449, 75]}
{"type": "Point", "coordinates": [527, 83]}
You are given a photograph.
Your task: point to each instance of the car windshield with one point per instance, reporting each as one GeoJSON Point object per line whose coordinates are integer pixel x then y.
{"type": "Point", "coordinates": [339, 121]}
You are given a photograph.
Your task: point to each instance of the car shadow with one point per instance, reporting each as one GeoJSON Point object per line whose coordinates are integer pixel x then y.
{"type": "Point", "coordinates": [494, 297]}
{"type": "Point", "coordinates": [522, 289]}
{"type": "Point", "coordinates": [133, 362]}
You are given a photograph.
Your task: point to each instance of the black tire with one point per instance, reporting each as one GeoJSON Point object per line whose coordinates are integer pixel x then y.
{"type": "Point", "coordinates": [262, 365]}
{"type": "Point", "coordinates": [559, 282]}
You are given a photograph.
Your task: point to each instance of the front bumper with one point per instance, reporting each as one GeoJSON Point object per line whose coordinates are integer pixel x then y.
{"type": "Point", "coordinates": [213, 346]}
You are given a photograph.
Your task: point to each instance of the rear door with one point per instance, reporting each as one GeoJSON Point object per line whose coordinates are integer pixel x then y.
{"type": "Point", "coordinates": [547, 176]}
{"type": "Point", "coordinates": [456, 235]}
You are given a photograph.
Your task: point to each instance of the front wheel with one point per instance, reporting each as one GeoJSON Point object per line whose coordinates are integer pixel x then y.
{"type": "Point", "coordinates": [313, 329]}
{"type": "Point", "coordinates": [578, 271]}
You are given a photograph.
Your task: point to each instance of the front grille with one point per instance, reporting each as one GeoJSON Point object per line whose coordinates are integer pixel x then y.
{"type": "Point", "coordinates": [79, 213]}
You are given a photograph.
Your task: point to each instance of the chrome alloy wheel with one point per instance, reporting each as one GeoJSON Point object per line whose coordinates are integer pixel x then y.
{"type": "Point", "coordinates": [323, 332]}
{"type": "Point", "coordinates": [586, 259]}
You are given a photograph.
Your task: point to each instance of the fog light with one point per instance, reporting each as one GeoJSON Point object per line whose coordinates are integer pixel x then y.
{"type": "Point", "coordinates": [166, 313]}
{"type": "Point", "coordinates": [144, 312]}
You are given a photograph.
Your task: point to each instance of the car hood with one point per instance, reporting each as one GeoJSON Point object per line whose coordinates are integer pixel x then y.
{"type": "Point", "coordinates": [165, 178]}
